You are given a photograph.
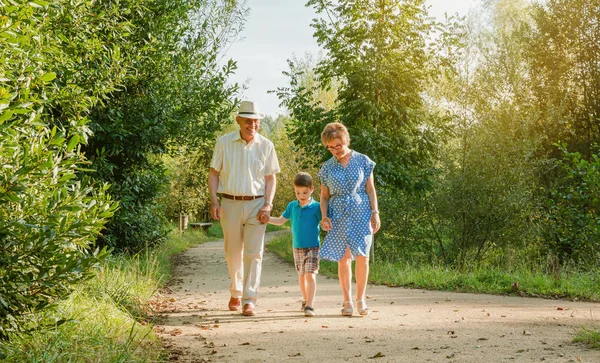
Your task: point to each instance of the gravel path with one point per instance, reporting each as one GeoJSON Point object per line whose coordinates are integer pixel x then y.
{"type": "Point", "coordinates": [406, 325]}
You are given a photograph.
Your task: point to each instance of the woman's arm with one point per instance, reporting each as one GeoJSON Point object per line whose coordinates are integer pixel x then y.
{"type": "Point", "coordinates": [325, 220]}
{"type": "Point", "coordinates": [375, 222]}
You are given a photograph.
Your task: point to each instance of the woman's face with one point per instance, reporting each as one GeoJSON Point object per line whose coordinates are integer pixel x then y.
{"type": "Point", "coordinates": [337, 147]}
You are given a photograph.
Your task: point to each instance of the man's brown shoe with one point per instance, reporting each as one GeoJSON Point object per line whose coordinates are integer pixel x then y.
{"type": "Point", "coordinates": [234, 303]}
{"type": "Point", "coordinates": [248, 310]}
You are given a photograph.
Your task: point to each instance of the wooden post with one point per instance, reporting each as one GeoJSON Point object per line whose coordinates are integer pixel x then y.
{"type": "Point", "coordinates": [180, 223]}
{"type": "Point", "coordinates": [372, 247]}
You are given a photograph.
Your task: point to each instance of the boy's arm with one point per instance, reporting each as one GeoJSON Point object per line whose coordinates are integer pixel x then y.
{"type": "Point", "coordinates": [278, 221]}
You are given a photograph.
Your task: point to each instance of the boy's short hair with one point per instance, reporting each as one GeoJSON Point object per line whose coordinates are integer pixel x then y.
{"type": "Point", "coordinates": [303, 179]}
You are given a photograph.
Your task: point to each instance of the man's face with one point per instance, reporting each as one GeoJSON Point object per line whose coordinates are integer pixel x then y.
{"type": "Point", "coordinates": [303, 193]}
{"type": "Point", "coordinates": [248, 126]}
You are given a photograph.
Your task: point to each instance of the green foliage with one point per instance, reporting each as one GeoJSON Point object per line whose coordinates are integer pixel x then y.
{"type": "Point", "coordinates": [574, 216]}
{"type": "Point", "coordinates": [51, 213]}
{"type": "Point", "coordinates": [378, 54]}
{"type": "Point", "coordinates": [291, 162]}
{"type": "Point", "coordinates": [158, 112]}
{"type": "Point", "coordinates": [491, 280]}
{"type": "Point", "coordinates": [563, 51]}
{"type": "Point", "coordinates": [188, 193]}
{"type": "Point", "coordinates": [107, 315]}
{"type": "Point", "coordinates": [485, 203]}
{"type": "Point", "coordinates": [590, 336]}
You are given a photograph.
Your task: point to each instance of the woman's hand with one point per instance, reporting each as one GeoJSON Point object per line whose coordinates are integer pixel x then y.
{"type": "Point", "coordinates": [375, 222]}
{"type": "Point", "coordinates": [326, 224]}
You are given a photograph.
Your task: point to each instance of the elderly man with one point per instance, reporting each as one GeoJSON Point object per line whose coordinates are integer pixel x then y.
{"type": "Point", "coordinates": [243, 171]}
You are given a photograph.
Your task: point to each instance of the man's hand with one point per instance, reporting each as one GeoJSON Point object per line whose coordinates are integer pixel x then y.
{"type": "Point", "coordinates": [264, 213]}
{"type": "Point", "coordinates": [215, 210]}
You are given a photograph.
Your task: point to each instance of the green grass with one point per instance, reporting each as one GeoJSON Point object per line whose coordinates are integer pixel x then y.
{"type": "Point", "coordinates": [584, 286]}
{"type": "Point", "coordinates": [109, 316]}
{"type": "Point", "coordinates": [588, 336]}
{"type": "Point", "coordinates": [570, 285]}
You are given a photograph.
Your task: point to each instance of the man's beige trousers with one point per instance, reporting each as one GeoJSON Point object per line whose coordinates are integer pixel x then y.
{"type": "Point", "coordinates": [244, 243]}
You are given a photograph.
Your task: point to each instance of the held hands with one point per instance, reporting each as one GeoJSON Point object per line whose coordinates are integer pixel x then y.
{"type": "Point", "coordinates": [264, 214]}
{"type": "Point", "coordinates": [326, 224]}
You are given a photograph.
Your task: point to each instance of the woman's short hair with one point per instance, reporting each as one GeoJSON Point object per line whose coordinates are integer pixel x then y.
{"type": "Point", "coordinates": [303, 179]}
{"type": "Point", "coordinates": [335, 130]}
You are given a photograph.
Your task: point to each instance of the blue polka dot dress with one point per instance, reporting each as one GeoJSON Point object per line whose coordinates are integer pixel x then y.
{"type": "Point", "coordinates": [349, 207]}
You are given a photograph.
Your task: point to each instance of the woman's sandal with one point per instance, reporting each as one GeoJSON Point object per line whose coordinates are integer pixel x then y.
{"type": "Point", "coordinates": [361, 305]}
{"type": "Point", "coordinates": [347, 308]}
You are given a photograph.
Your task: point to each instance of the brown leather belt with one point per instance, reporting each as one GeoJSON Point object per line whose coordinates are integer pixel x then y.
{"type": "Point", "coordinates": [241, 197]}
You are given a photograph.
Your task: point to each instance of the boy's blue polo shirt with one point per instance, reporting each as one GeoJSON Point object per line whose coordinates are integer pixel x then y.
{"type": "Point", "coordinates": [305, 223]}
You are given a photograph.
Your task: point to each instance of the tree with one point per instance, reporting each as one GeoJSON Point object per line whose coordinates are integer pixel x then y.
{"type": "Point", "coordinates": [377, 51]}
{"type": "Point", "coordinates": [564, 52]}
{"type": "Point", "coordinates": [159, 112]}
{"type": "Point", "coordinates": [574, 218]}
{"type": "Point", "coordinates": [484, 199]}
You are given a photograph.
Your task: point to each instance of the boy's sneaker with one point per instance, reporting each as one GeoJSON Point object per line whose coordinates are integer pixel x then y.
{"type": "Point", "coordinates": [303, 305]}
{"type": "Point", "coordinates": [309, 311]}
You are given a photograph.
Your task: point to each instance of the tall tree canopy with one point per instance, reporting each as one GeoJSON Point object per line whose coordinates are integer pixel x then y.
{"type": "Point", "coordinates": [378, 52]}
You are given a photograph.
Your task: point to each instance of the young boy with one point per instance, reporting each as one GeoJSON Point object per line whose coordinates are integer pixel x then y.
{"type": "Point", "coordinates": [304, 215]}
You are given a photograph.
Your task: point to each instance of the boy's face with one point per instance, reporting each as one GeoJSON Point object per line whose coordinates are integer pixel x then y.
{"type": "Point", "coordinates": [303, 193]}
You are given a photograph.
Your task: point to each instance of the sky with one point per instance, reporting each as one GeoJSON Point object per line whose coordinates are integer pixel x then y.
{"type": "Point", "coordinates": [275, 31]}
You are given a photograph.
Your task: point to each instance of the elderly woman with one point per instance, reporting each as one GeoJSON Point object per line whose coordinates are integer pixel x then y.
{"type": "Point", "coordinates": [350, 214]}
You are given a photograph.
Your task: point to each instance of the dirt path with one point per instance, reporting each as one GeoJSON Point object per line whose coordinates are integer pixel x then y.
{"type": "Point", "coordinates": [406, 325]}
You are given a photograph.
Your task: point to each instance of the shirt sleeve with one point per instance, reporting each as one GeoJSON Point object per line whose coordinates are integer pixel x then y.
{"type": "Point", "coordinates": [321, 174]}
{"type": "Point", "coordinates": [287, 213]}
{"type": "Point", "coordinates": [217, 158]}
{"type": "Point", "coordinates": [271, 162]}
{"type": "Point", "coordinates": [369, 166]}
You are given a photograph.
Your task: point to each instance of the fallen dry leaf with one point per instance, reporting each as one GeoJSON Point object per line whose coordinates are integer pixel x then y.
{"type": "Point", "coordinates": [378, 355]}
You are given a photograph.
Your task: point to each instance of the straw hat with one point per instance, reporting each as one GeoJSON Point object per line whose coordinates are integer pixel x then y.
{"type": "Point", "coordinates": [249, 109]}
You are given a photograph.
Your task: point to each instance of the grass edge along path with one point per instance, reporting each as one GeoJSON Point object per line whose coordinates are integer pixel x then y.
{"type": "Point", "coordinates": [567, 286]}
{"type": "Point", "coordinates": [110, 315]}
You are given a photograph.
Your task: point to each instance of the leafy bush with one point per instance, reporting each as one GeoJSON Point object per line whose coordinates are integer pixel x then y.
{"type": "Point", "coordinates": [177, 98]}
{"type": "Point", "coordinates": [51, 211]}
{"type": "Point", "coordinates": [574, 221]}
